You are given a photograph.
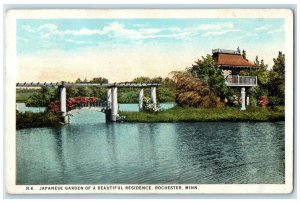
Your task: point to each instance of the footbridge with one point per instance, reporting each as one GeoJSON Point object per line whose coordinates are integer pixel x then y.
{"type": "Point", "coordinates": [112, 94]}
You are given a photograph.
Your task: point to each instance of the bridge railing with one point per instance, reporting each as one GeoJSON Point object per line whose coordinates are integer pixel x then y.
{"type": "Point", "coordinates": [105, 85]}
{"type": "Point", "coordinates": [237, 80]}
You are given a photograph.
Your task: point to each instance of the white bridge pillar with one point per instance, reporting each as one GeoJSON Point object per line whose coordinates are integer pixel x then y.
{"type": "Point", "coordinates": [248, 101]}
{"type": "Point", "coordinates": [114, 103]}
{"type": "Point", "coordinates": [109, 98]}
{"type": "Point", "coordinates": [153, 98]}
{"type": "Point", "coordinates": [243, 96]}
{"type": "Point", "coordinates": [141, 99]}
{"type": "Point", "coordinates": [63, 102]}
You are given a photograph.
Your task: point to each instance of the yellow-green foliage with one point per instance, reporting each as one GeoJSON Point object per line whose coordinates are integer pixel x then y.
{"type": "Point", "coordinates": [193, 92]}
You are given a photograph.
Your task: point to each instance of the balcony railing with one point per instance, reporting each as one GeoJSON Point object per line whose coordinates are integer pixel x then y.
{"type": "Point", "coordinates": [236, 80]}
{"type": "Point", "coordinates": [225, 51]}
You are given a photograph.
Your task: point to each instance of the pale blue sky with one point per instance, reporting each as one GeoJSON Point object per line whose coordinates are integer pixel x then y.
{"type": "Point", "coordinates": [69, 42]}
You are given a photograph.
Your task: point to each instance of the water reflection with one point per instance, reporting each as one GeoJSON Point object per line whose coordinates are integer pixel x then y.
{"type": "Point", "coordinates": [111, 150]}
{"type": "Point", "coordinates": [229, 153]}
{"type": "Point", "coordinates": [59, 135]}
{"type": "Point", "coordinates": [95, 152]}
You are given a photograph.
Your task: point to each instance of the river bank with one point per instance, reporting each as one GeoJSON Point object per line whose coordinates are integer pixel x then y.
{"type": "Point", "coordinates": [33, 117]}
{"type": "Point", "coordinates": [38, 119]}
{"type": "Point", "coordinates": [180, 114]}
{"type": "Point", "coordinates": [175, 114]}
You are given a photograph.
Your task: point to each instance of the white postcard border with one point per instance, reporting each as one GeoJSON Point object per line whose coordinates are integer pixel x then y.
{"type": "Point", "coordinates": [10, 95]}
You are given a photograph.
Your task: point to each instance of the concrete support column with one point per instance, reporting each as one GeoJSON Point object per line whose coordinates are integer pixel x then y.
{"type": "Point", "coordinates": [153, 98]}
{"type": "Point", "coordinates": [243, 96]}
{"type": "Point", "coordinates": [109, 98]}
{"type": "Point", "coordinates": [114, 107]}
{"type": "Point", "coordinates": [63, 102]}
{"type": "Point", "coordinates": [141, 99]}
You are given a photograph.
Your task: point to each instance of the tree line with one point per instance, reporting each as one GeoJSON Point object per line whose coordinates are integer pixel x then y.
{"type": "Point", "coordinates": [201, 85]}
{"type": "Point", "coordinates": [45, 95]}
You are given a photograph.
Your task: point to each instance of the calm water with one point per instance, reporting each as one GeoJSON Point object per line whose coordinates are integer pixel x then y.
{"type": "Point", "coordinates": [89, 151]}
{"type": "Point", "coordinates": [21, 107]}
{"type": "Point", "coordinates": [122, 107]}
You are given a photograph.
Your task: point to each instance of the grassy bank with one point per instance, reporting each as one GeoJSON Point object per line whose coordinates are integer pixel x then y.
{"type": "Point", "coordinates": [33, 120]}
{"type": "Point", "coordinates": [179, 114]}
{"type": "Point", "coordinates": [21, 97]}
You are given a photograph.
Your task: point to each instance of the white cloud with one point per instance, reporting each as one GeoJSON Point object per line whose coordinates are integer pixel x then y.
{"type": "Point", "coordinates": [121, 31]}
{"type": "Point", "coordinates": [115, 29]}
{"type": "Point", "coordinates": [75, 41]}
{"type": "Point", "coordinates": [118, 29]}
{"type": "Point", "coordinates": [42, 28]}
{"type": "Point", "coordinates": [150, 30]}
{"type": "Point", "coordinates": [275, 31]}
{"type": "Point", "coordinates": [175, 29]}
{"type": "Point", "coordinates": [215, 26]}
{"type": "Point", "coordinates": [211, 29]}
{"type": "Point", "coordinates": [264, 27]}
{"type": "Point", "coordinates": [222, 32]}
{"type": "Point", "coordinates": [251, 34]}
{"type": "Point", "coordinates": [140, 25]}
{"type": "Point", "coordinates": [47, 27]}
{"type": "Point", "coordinates": [182, 35]}
{"type": "Point", "coordinates": [28, 28]}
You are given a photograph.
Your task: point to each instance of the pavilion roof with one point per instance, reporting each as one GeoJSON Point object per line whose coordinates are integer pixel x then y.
{"type": "Point", "coordinates": [234, 60]}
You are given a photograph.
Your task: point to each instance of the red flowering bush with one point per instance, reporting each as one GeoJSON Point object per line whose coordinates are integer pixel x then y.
{"type": "Point", "coordinates": [72, 103]}
{"type": "Point", "coordinates": [264, 101]}
{"type": "Point", "coordinates": [55, 106]}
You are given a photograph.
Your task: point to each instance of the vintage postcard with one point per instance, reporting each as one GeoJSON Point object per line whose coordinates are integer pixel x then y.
{"type": "Point", "coordinates": [149, 101]}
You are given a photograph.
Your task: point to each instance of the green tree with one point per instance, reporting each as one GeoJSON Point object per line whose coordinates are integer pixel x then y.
{"type": "Point", "coordinates": [88, 91]}
{"type": "Point", "coordinates": [96, 91]}
{"type": "Point", "coordinates": [165, 92]}
{"type": "Point", "coordinates": [78, 80]}
{"type": "Point", "coordinates": [42, 98]}
{"type": "Point", "coordinates": [99, 93]}
{"type": "Point", "coordinates": [209, 73]}
{"type": "Point", "coordinates": [244, 54]}
{"type": "Point", "coordinates": [270, 83]}
{"type": "Point", "coordinates": [262, 74]}
{"type": "Point", "coordinates": [238, 50]}
{"type": "Point", "coordinates": [72, 92]}
{"type": "Point", "coordinates": [157, 80]}
{"type": "Point", "coordinates": [168, 82]}
{"type": "Point", "coordinates": [99, 80]}
{"type": "Point", "coordinates": [128, 95]}
{"type": "Point", "coordinates": [276, 85]}
{"type": "Point", "coordinates": [141, 80]}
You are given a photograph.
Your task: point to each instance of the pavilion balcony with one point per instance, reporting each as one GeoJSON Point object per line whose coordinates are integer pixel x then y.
{"type": "Point", "coordinates": [245, 81]}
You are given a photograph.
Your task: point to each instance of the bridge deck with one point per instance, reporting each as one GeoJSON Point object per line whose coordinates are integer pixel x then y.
{"type": "Point", "coordinates": [66, 84]}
